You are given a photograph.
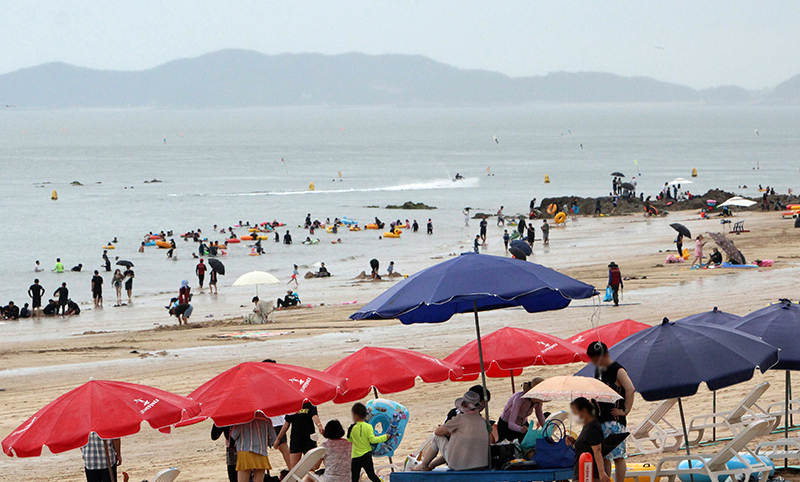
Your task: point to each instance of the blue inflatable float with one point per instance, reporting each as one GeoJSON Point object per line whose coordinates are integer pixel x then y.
{"type": "Point", "coordinates": [387, 418]}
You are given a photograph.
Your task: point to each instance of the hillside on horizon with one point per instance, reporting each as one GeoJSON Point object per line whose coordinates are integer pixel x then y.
{"type": "Point", "coordinates": [242, 78]}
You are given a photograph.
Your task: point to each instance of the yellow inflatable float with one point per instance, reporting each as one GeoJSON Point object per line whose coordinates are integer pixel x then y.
{"type": "Point", "coordinates": [393, 234]}
{"type": "Point", "coordinates": [372, 226]}
{"type": "Point", "coordinates": [552, 208]}
{"type": "Point", "coordinates": [560, 218]}
{"type": "Point", "coordinates": [110, 246]}
{"type": "Point", "coordinates": [163, 244]}
{"type": "Point", "coordinates": [355, 228]}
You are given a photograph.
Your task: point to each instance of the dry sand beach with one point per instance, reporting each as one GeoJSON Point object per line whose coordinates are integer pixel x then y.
{"type": "Point", "coordinates": [37, 369]}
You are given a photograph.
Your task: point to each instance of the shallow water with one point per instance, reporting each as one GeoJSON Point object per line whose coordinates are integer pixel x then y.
{"type": "Point", "coordinates": [225, 166]}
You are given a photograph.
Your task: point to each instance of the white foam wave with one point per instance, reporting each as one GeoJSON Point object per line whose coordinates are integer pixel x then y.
{"type": "Point", "coordinates": [420, 186]}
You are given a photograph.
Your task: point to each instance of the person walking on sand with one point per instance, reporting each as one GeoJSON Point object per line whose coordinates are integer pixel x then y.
{"type": "Point", "coordinates": [362, 437]}
{"type": "Point", "coordinates": [484, 225]}
{"type": "Point", "coordinates": [679, 245]}
{"type": "Point", "coordinates": [97, 289]}
{"type": "Point", "coordinates": [477, 244]}
{"type": "Point", "coordinates": [531, 235]}
{"type": "Point", "coordinates": [212, 282]}
{"type": "Point", "coordinates": [615, 281]}
{"type": "Point", "coordinates": [506, 239]}
{"type": "Point", "coordinates": [35, 292]}
{"type": "Point", "coordinates": [698, 251]}
{"type": "Point", "coordinates": [117, 282]}
{"type": "Point", "coordinates": [200, 271]}
{"type": "Point", "coordinates": [294, 276]}
{"type": "Point", "coordinates": [500, 219]}
{"type": "Point", "coordinates": [62, 294]}
{"type": "Point", "coordinates": [545, 233]}
{"type": "Point", "coordinates": [129, 275]}
{"type": "Point", "coordinates": [521, 227]}
{"type": "Point", "coordinates": [613, 416]}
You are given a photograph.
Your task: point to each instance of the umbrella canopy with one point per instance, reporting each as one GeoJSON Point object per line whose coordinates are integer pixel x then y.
{"type": "Point", "coordinates": [679, 180]}
{"type": "Point", "coordinates": [778, 325]}
{"type": "Point", "coordinates": [739, 202]}
{"type": "Point", "coordinates": [569, 388]}
{"type": "Point", "coordinates": [681, 229]}
{"type": "Point", "coordinates": [610, 334]}
{"type": "Point", "coordinates": [509, 350]}
{"type": "Point", "coordinates": [125, 262]}
{"type": "Point", "coordinates": [470, 281]}
{"type": "Point", "coordinates": [236, 395]}
{"type": "Point", "coordinates": [617, 174]}
{"type": "Point", "coordinates": [727, 245]}
{"type": "Point", "coordinates": [388, 370]}
{"type": "Point", "coordinates": [714, 317]}
{"type": "Point", "coordinates": [255, 278]}
{"type": "Point", "coordinates": [217, 266]}
{"type": "Point", "coordinates": [109, 409]}
{"type": "Point", "coordinates": [628, 186]}
{"type": "Point", "coordinates": [672, 359]}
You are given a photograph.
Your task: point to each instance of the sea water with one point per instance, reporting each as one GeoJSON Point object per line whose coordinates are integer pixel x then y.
{"type": "Point", "coordinates": [223, 166]}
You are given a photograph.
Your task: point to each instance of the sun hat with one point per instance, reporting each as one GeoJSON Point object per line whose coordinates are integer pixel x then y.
{"type": "Point", "coordinates": [469, 402]}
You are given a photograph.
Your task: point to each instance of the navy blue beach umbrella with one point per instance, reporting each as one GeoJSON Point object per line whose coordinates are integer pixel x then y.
{"type": "Point", "coordinates": [714, 317]}
{"type": "Point", "coordinates": [671, 360]}
{"type": "Point", "coordinates": [778, 325]}
{"type": "Point", "coordinates": [471, 283]}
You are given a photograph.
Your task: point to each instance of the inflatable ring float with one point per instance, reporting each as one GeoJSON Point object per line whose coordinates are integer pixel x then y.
{"type": "Point", "coordinates": [391, 419]}
{"type": "Point", "coordinates": [560, 218]}
{"type": "Point", "coordinates": [551, 209]}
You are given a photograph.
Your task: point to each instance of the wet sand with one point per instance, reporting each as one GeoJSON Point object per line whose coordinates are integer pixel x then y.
{"type": "Point", "coordinates": [42, 361]}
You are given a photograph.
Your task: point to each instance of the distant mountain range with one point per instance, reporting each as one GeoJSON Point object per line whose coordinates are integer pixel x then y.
{"type": "Point", "coordinates": [241, 78]}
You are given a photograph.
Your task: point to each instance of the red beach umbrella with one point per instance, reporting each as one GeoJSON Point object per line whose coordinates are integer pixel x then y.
{"type": "Point", "coordinates": [508, 350]}
{"type": "Point", "coordinates": [236, 395]}
{"type": "Point", "coordinates": [388, 370]}
{"type": "Point", "coordinates": [109, 409]}
{"type": "Point", "coordinates": [610, 334]}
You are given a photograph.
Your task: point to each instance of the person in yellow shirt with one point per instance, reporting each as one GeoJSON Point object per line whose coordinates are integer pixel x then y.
{"type": "Point", "coordinates": [362, 436]}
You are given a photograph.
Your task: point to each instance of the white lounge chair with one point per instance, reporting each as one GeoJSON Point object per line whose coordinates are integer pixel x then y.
{"type": "Point", "coordinates": [303, 468]}
{"type": "Point", "coordinates": [746, 412]}
{"type": "Point", "coordinates": [561, 416]}
{"type": "Point", "coordinates": [655, 434]}
{"type": "Point", "coordinates": [785, 448]}
{"type": "Point", "coordinates": [167, 475]}
{"type": "Point", "coordinates": [716, 467]}
{"type": "Point", "coordinates": [778, 410]}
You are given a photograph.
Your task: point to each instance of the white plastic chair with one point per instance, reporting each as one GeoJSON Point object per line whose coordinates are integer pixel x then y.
{"type": "Point", "coordinates": [167, 475]}
{"type": "Point", "coordinates": [715, 467]}
{"type": "Point", "coordinates": [305, 466]}
{"type": "Point", "coordinates": [650, 437]}
{"type": "Point", "coordinates": [746, 412]}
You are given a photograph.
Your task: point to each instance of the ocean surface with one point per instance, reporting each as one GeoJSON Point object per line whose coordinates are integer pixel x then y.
{"type": "Point", "coordinates": [223, 166]}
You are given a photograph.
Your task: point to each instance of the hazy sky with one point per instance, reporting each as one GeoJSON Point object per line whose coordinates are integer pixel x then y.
{"type": "Point", "coordinates": [705, 43]}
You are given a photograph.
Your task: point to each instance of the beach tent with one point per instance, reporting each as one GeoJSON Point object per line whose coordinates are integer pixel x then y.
{"type": "Point", "coordinates": [671, 360]}
{"type": "Point", "coordinates": [508, 350]}
{"type": "Point", "coordinates": [388, 370]}
{"type": "Point", "coordinates": [472, 283]}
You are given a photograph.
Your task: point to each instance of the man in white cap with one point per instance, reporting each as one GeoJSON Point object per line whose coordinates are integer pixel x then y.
{"type": "Point", "coordinates": [462, 441]}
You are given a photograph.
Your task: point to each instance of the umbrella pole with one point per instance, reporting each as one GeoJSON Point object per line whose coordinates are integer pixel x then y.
{"type": "Point", "coordinates": [685, 432]}
{"type": "Point", "coordinates": [714, 410]}
{"type": "Point", "coordinates": [483, 372]}
{"type": "Point", "coordinates": [375, 391]}
{"type": "Point", "coordinates": [108, 461]}
{"type": "Point", "coordinates": [513, 385]}
{"type": "Point", "coordinates": [788, 384]}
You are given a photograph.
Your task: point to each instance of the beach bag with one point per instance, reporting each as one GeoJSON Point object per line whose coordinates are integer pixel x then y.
{"type": "Point", "coordinates": [609, 294]}
{"type": "Point", "coordinates": [531, 437]}
{"type": "Point", "coordinates": [552, 454]}
{"type": "Point", "coordinates": [503, 453]}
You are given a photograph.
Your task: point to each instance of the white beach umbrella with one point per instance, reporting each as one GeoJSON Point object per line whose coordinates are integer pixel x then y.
{"type": "Point", "coordinates": [738, 201]}
{"type": "Point", "coordinates": [569, 388]}
{"type": "Point", "coordinates": [255, 278]}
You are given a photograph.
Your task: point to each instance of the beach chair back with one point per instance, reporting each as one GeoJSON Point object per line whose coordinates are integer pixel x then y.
{"type": "Point", "coordinates": [561, 416]}
{"type": "Point", "coordinates": [306, 464]}
{"type": "Point", "coordinates": [747, 403]}
{"type": "Point", "coordinates": [167, 475]}
{"type": "Point", "coordinates": [655, 416]}
{"type": "Point", "coordinates": [738, 444]}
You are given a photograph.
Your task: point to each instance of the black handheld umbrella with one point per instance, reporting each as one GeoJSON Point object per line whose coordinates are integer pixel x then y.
{"type": "Point", "coordinates": [628, 186]}
{"type": "Point", "coordinates": [523, 246]}
{"type": "Point", "coordinates": [682, 230]}
{"type": "Point", "coordinates": [727, 245]}
{"type": "Point", "coordinates": [217, 266]}
{"type": "Point", "coordinates": [617, 174]}
{"type": "Point", "coordinates": [124, 262]}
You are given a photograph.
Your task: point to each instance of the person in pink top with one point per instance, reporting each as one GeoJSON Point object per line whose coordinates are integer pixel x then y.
{"type": "Point", "coordinates": [698, 250]}
{"type": "Point", "coordinates": [513, 423]}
